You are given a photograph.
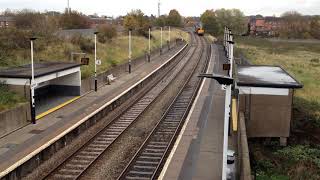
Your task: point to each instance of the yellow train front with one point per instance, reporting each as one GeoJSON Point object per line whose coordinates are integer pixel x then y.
{"type": "Point", "coordinates": [199, 30]}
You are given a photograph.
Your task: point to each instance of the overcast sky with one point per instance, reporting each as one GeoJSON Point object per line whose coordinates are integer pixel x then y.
{"type": "Point", "coordinates": [185, 7]}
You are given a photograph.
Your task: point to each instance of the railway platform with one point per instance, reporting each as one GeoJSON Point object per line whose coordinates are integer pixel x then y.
{"type": "Point", "coordinates": [198, 151]}
{"type": "Point", "coordinates": [21, 145]}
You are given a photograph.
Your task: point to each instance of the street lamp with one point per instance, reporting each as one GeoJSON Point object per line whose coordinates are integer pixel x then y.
{"type": "Point", "coordinates": [149, 53]}
{"type": "Point", "coordinates": [225, 37]}
{"type": "Point", "coordinates": [160, 40]}
{"type": "Point", "coordinates": [32, 86]}
{"type": "Point", "coordinates": [169, 38]}
{"type": "Point", "coordinates": [130, 52]}
{"type": "Point", "coordinates": [95, 62]}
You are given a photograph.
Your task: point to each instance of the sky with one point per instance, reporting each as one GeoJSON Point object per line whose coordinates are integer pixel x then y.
{"type": "Point", "coordinates": [185, 7]}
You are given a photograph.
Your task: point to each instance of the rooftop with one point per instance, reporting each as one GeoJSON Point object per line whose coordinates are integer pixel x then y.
{"type": "Point", "coordinates": [6, 18]}
{"type": "Point", "coordinates": [265, 76]}
{"type": "Point", "coordinates": [40, 69]}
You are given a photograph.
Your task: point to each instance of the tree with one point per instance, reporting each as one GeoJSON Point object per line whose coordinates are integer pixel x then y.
{"type": "Point", "coordinates": [73, 20]}
{"type": "Point", "coordinates": [161, 21]}
{"type": "Point", "coordinates": [294, 25]}
{"type": "Point", "coordinates": [174, 18]}
{"type": "Point", "coordinates": [209, 21]}
{"type": "Point", "coordinates": [137, 21]}
{"type": "Point", "coordinates": [232, 18]}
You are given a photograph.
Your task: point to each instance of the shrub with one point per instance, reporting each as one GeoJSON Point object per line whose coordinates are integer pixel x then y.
{"type": "Point", "coordinates": [106, 32]}
{"type": "Point", "coordinates": [300, 153]}
{"type": "Point", "coordinates": [315, 60]}
{"type": "Point", "coordinates": [7, 98]}
{"type": "Point", "coordinates": [86, 45]}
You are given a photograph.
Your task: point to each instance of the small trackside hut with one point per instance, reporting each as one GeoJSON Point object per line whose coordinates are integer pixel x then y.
{"type": "Point", "coordinates": [265, 97]}
{"type": "Point", "coordinates": [56, 82]}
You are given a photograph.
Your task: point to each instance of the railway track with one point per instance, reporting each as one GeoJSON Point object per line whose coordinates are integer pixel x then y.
{"type": "Point", "coordinates": [82, 159]}
{"type": "Point", "coordinates": [149, 159]}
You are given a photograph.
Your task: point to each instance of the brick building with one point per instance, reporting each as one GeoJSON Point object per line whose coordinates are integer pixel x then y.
{"type": "Point", "coordinates": [264, 26]}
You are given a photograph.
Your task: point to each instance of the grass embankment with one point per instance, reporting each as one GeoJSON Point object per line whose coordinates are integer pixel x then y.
{"type": "Point", "coordinates": [301, 159]}
{"type": "Point", "coordinates": [111, 53]}
{"type": "Point", "coordinates": [8, 99]}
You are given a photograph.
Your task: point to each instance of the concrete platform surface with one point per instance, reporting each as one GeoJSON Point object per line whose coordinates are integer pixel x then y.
{"type": "Point", "coordinates": [197, 153]}
{"type": "Point", "coordinates": [18, 145]}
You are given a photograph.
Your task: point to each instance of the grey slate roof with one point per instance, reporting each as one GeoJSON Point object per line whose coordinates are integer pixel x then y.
{"type": "Point", "coordinates": [265, 76]}
{"type": "Point", "coordinates": [40, 69]}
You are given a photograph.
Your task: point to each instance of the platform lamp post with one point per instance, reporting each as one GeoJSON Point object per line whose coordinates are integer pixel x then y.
{"type": "Point", "coordinates": [231, 44]}
{"type": "Point", "coordinates": [225, 37]}
{"type": "Point", "coordinates": [160, 40]}
{"type": "Point", "coordinates": [149, 53]}
{"type": "Point", "coordinates": [130, 52]}
{"type": "Point", "coordinates": [229, 40]}
{"type": "Point", "coordinates": [169, 37]}
{"type": "Point", "coordinates": [95, 61]}
{"type": "Point", "coordinates": [227, 43]}
{"type": "Point", "coordinates": [32, 86]}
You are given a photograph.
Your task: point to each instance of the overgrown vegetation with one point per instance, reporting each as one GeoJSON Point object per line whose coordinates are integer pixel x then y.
{"type": "Point", "coordinates": [301, 159]}
{"type": "Point", "coordinates": [8, 99]}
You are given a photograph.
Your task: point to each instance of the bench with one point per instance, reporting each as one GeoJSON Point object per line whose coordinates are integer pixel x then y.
{"type": "Point", "coordinates": [110, 78]}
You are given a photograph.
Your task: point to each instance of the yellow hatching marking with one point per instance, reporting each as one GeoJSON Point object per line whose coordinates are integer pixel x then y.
{"type": "Point", "coordinates": [56, 108]}
{"type": "Point", "coordinates": [234, 115]}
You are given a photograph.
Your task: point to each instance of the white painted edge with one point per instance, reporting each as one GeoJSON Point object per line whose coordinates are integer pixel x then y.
{"type": "Point", "coordinates": [35, 152]}
{"type": "Point", "coordinates": [175, 146]}
{"type": "Point", "coordinates": [264, 91]}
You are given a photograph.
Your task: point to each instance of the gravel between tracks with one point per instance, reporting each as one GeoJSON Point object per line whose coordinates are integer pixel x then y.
{"type": "Point", "coordinates": [113, 161]}
{"type": "Point", "coordinates": [55, 160]}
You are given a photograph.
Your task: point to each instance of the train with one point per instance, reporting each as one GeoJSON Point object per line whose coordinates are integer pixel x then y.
{"type": "Point", "coordinates": [198, 29]}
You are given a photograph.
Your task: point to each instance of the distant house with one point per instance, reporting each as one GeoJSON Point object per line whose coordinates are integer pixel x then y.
{"type": "Point", "coordinates": [6, 21]}
{"type": "Point", "coordinates": [96, 21]}
{"type": "Point", "coordinates": [264, 26]}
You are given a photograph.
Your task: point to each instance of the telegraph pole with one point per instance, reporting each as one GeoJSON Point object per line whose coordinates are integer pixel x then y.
{"type": "Point", "coordinates": [159, 8]}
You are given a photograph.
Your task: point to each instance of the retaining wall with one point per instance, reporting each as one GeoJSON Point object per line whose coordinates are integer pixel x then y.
{"type": "Point", "coordinates": [15, 118]}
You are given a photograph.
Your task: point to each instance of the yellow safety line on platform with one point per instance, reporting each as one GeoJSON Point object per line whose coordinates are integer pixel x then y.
{"type": "Point", "coordinates": [234, 115]}
{"type": "Point", "coordinates": [56, 108]}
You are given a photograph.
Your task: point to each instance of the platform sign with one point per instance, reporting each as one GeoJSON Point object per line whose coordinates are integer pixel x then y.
{"type": "Point", "coordinates": [85, 61]}
{"type": "Point", "coordinates": [226, 67]}
{"type": "Point", "coordinates": [98, 62]}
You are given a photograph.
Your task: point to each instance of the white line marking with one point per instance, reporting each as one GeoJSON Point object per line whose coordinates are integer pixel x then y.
{"type": "Point", "coordinates": [166, 165]}
{"type": "Point", "coordinates": [35, 152]}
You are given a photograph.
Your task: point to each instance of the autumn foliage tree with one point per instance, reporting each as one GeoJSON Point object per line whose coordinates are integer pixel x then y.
{"type": "Point", "coordinates": [174, 18]}
{"type": "Point", "coordinates": [137, 21]}
{"type": "Point", "coordinates": [209, 21]}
